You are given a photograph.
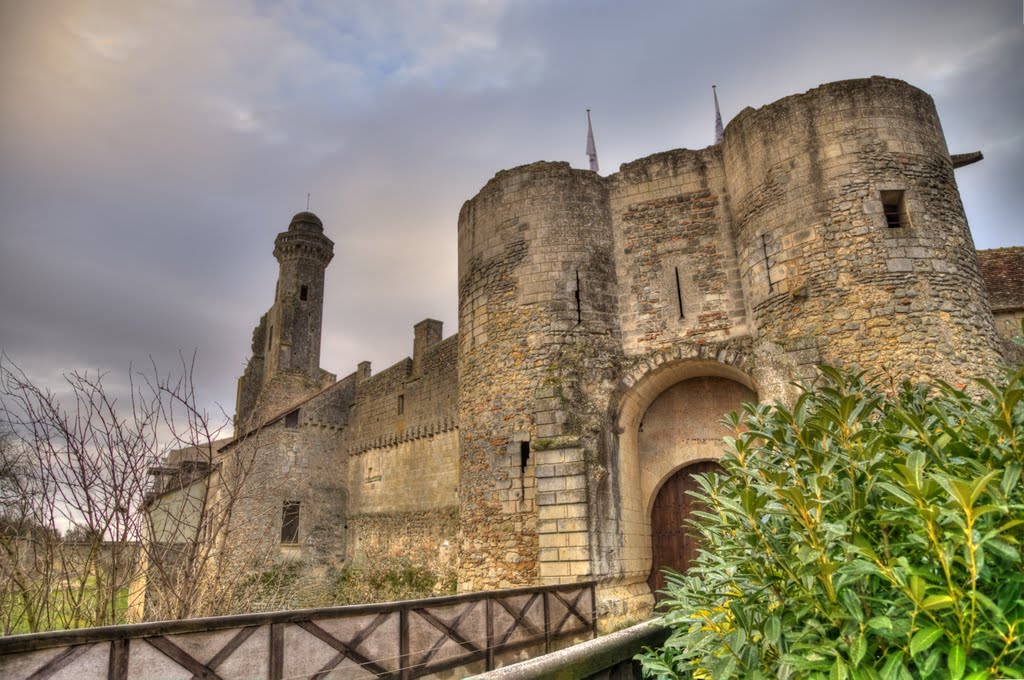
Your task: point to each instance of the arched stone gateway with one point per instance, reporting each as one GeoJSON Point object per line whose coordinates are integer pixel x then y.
{"type": "Point", "coordinates": [669, 428]}
{"type": "Point", "coordinates": [679, 435]}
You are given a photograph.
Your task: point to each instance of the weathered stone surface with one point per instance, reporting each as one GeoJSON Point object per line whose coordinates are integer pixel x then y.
{"type": "Point", "coordinates": [605, 323]}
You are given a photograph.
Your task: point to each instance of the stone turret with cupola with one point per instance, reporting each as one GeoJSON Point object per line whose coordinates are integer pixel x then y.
{"type": "Point", "coordinates": [285, 362]}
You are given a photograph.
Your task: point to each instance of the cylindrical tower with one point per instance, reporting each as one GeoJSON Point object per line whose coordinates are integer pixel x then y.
{"type": "Point", "coordinates": [295, 320]}
{"type": "Point", "coordinates": [536, 297]}
{"type": "Point", "coordinates": [850, 231]}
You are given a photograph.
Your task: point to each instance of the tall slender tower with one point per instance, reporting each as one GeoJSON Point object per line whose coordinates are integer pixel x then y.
{"type": "Point", "coordinates": [285, 361]}
{"type": "Point", "coordinates": [295, 320]}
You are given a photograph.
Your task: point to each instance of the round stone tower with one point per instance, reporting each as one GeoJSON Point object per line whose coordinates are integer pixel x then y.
{"type": "Point", "coordinates": [294, 322]}
{"type": "Point", "coordinates": [536, 297]}
{"type": "Point", "coordinates": [851, 234]}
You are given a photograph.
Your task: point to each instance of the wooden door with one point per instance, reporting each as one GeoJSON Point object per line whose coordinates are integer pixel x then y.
{"type": "Point", "coordinates": [673, 542]}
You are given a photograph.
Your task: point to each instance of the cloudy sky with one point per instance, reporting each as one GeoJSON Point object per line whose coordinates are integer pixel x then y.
{"type": "Point", "coordinates": [151, 150]}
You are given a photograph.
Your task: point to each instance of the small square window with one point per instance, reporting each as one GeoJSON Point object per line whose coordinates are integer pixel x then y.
{"type": "Point", "coordinates": [292, 419]}
{"type": "Point", "coordinates": [290, 523]}
{"type": "Point", "coordinates": [894, 205]}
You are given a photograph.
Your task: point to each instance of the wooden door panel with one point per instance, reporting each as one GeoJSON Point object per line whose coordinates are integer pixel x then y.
{"type": "Point", "coordinates": [674, 543]}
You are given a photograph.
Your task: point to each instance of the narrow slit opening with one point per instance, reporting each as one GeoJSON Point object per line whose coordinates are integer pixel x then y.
{"type": "Point", "coordinates": [679, 295]}
{"type": "Point", "coordinates": [579, 310]}
{"type": "Point", "coordinates": [767, 264]}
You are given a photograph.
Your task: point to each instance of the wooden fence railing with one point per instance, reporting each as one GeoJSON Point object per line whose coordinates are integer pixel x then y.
{"type": "Point", "coordinates": [399, 640]}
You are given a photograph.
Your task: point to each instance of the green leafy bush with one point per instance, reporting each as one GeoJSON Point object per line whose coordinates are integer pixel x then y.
{"type": "Point", "coordinates": [866, 533]}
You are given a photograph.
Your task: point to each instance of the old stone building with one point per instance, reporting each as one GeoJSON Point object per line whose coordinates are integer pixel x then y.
{"type": "Point", "coordinates": [605, 325]}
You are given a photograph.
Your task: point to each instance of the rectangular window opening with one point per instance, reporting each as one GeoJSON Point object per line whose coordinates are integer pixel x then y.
{"type": "Point", "coordinates": [290, 523]}
{"type": "Point", "coordinates": [894, 205]}
{"type": "Point", "coordinates": [292, 419]}
{"type": "Point", "coordinates": [401, 404]}
{"type": "Point", "coordinates": [524, 455]}
{"type": "Point", "coordinates": [270, 337]}
{"type": "Point", "coordinates": [303, 292]}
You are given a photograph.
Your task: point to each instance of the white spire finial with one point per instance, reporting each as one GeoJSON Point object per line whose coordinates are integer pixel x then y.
{"type": "Point", "coordinates": [719, 130]}
{"type": "Point", "coordinates": [591, 147]}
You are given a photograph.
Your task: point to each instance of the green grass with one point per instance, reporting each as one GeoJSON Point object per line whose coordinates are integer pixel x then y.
{"type": "Point", "coordinates": [65, 608]}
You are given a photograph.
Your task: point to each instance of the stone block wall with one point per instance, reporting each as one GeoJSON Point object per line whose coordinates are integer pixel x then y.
{"type": "Point", "coordinates": [675, 256]}
{"type": "Point", "coordinates": [399, 404]}
{"type": "Point", "coordinates": [411, 481]}
{"type": "Point", "coordinates": [807, 177]}
{"type": "Point", "coordinates": [303, 465]}
{"type": "Point", "coordinates": [403, 449]}
{"type": "Point", "coordinates": [563, 520]}
{"type": "Point", "coordinates": [537, 299]}
{"type": "Point", "coordinates": [516, 446]}
{"type": "Point", "coordinates": [428, 537]}
{"type": "Point", "coordinates": [251, 381]}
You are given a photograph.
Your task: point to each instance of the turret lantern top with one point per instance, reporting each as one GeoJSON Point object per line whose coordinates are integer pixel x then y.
{"type": "Point", "coordinates": [306, 221]}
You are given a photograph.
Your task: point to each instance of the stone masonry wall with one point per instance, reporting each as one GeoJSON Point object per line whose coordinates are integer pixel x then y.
{"type": "Point", "coordinates": [388, 483]}
{"type": "Point", "coordinates": [403, 451]}
{"type": "Point", "coordinates": [428, 400]}
{"type": "Point", "coordinates": [806, 176]}
{"type": "Point", "coordinates": [280, 464]}
{"type": "Point", "coordinates": [536, 294]}
{"type": "Point", "coordinates": [425, 536]}
{"type": "Point", "coordinates": [252, 380]}
{"type": "Point", "coordinates": [675, 257]}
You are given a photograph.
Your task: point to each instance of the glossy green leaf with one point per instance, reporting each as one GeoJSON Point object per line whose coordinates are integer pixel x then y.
{"type": "Point", "coordinates": [773, 629]}
{"type": "Point", "coordinates": [858, 649]}
{"type": "Point", "coordinates": [891, 667]}
{"type": "Point", "coordinates": [924, 639]}
{"type": "Point", "coordinates": [839, 670]}
{"type": "Point", "coordinates": [882, 624]}
{"type": "Point", "coordinates": [931, 662]}
{"type": "Point", "coordinates": [956, 661]}
{"type": "Point", "coordinates": [933, 602]}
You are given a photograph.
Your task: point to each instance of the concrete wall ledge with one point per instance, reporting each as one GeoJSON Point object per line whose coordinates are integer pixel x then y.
{"type": "Point", "coordinates": [587, 658]}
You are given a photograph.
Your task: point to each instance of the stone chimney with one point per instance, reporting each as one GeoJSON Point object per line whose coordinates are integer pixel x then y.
{"type": "Point", "coordinates": [362, 371]}
{"type": "Point", "coordinates": [425, 333]}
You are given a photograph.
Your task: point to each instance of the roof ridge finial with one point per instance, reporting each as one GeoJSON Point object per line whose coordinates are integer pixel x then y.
{"type": "Point", "coordinates": [719, 130]}
{"type": "Point", "coordinates": [591, 147]}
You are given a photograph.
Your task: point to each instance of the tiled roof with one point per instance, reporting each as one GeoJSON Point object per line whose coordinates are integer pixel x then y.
{"type": "Point", "coordinates": [1003, 272]}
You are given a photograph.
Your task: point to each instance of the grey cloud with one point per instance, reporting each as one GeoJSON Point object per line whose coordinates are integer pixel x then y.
{"type": "Point", "coordinates": [150, 155]}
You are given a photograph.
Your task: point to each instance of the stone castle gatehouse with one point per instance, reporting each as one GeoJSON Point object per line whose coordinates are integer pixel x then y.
{"type": "Point", "coordinates": [605, 325]}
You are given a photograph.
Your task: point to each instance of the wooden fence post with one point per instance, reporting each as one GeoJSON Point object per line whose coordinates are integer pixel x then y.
{"type": "Point", "coordinates": [489, 607]}
{"type": "Point", "coordinates": [276, 671]}
{"type": "Point", "coordinates": [405, 661]}
{"type": "Point", "coordinates": [547, 623]}
{"type": "Point", "coordinates": [593, 609]}
{"type": "Point", "coordinates": [117, 668]}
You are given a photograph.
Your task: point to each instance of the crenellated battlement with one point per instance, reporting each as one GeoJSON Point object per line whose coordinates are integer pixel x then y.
{"type": "Point", "coordinates": [605, 326]}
